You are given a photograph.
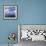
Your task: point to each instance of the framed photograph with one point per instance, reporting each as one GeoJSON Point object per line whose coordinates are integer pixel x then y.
{"type": "Point", "coordinates": [10, 12]}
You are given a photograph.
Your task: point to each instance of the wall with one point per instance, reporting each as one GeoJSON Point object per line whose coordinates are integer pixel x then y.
{"type": "Point", "coordinates": [29, 12]}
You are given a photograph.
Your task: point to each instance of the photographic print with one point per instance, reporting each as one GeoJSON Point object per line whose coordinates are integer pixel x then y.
{"type": "Point", "coordinates": [10, 12]}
